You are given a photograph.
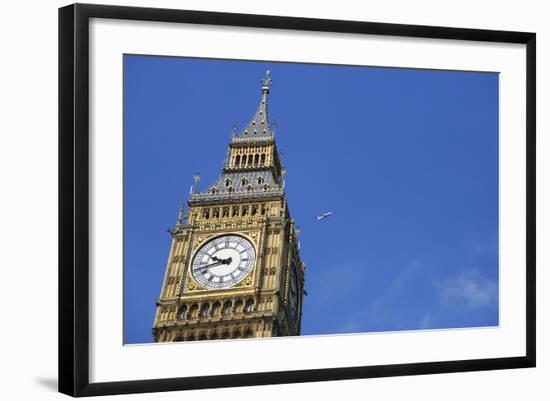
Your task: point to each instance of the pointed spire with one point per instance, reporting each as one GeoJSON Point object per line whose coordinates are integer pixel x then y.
{"type": "Point", "coordinates": [180, 214]}
{"type": "Point", "coordinates": [259, 126]}
{"type": "Point", "coordinates": [196, 179]}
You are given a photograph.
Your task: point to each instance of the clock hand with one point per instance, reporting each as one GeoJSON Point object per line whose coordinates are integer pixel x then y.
{"type": "Point", "coordinates": [225, 261]}
{"type": "Point", "coordinates": [210, 265]}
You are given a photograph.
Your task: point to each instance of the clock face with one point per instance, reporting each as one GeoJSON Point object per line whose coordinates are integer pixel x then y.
{"type": "Point", "coordinates": [223, 261]}
{"type": "Point", "coordinates": [293, 293]}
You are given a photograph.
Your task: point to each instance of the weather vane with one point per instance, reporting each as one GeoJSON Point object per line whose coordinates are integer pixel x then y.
{"type": "Point", "coordinates": [266, 82]}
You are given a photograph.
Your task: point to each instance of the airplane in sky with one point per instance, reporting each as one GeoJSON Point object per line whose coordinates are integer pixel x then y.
{"type": "Point", "coordinates": [324, 215]}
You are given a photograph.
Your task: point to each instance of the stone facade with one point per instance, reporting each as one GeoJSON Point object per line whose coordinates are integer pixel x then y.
{"type": "Point", "coordinates": [247, 200]}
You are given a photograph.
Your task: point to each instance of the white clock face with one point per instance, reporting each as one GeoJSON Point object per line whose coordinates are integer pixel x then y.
{"type": "Point", "coordinates": [223, 261]}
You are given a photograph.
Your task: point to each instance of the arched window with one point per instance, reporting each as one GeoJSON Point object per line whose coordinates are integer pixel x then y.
{"type": "Point", "coordinates": [256, 159]}
{"type": "Point", "coordinates": [216, 309]}
{"type": "Point", "coordinates": [239, 306]}
{"type": "Point", "coordinates": [249, 160]}
{"type": "Point", "coordinates": [225, 212]}
{"type": "Point", "coordinates": [206, 213]}
{"type": "Point", "coordinates": [216, 212]}
{"type": "Point", "coordinates": [204, 310]}
{"type": "Point", "coordinates": [226, 308]}
{"type": "Point", "coordinates": [254, 210]}
{"type": "Point", "coordinates": [249, 188]}
{"type": "Point", "coordinates": [235, 211]}
{"type": "Point", "coordinates": [238, 160]}
{"type": "Point", "coordinates": [249, 307]}
{"type": "Point", "coordinates": [193, 311]}
{"type": "Point", "coordinates": [263, 158]}
{"type": "Point", "coordinates": [182, 312]}
{"type": "Point", "coordinates": [245, 210]}
{"type": "Point", "coordinates": [260, 180]}
{"type": "Point", "coordinates": [227, 182]}
{"type": "Point", "coordinates": [244, 181]}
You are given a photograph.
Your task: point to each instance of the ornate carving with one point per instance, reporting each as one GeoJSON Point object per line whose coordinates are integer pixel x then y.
{"type": "Point", "coordinates": [271, 250]}
{"type": "Point", "coordinates": [178, 258]}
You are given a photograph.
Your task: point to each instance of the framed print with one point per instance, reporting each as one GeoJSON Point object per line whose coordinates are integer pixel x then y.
{"type": "Point", "coordinates": [249, 199]}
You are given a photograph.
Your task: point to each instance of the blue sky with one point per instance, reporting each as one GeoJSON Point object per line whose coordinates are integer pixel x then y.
{"type": "Point", "coordinates": [406, 159]}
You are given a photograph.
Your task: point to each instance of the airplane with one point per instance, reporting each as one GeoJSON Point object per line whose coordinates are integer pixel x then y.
{"type": "Point", "coordinates": [323, 215]}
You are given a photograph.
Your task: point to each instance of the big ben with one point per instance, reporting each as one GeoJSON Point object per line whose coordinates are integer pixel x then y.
{"type": "Point", "coordinates": [234, 267]}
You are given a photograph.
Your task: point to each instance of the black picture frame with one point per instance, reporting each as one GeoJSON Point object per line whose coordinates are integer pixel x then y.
{"type": "Point", "coordinates": [74, 194]}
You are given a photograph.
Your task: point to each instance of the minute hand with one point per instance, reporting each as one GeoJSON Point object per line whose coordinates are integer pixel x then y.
{"type": "Point", "coordinates": [207, 266]}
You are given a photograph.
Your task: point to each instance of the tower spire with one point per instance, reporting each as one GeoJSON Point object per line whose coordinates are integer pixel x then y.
{"type": "Point", "coordinates": [259, 126]}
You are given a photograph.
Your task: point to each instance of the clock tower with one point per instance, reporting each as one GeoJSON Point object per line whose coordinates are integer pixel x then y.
{"type": "Point", "coordinates": [234, 267]}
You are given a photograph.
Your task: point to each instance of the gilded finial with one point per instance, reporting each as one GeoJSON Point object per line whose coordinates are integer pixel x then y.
{"type": "Point", "coordinates": [196, 179]}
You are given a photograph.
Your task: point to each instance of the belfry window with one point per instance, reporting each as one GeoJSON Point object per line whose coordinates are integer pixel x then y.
{"type": "Point", "coordinates": [227, 182]}
{"type": "Point", "coordinates": [238, 160]}
{"type": "Point", "coordinates": [260, 180]}
{"type": "Point", "coordinates": [263, 158]}
{"type": "Point", "coordinates": [244, 181]}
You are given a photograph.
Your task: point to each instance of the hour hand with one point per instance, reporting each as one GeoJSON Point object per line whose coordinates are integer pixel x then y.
{"type": "Point", "coordinates": [222, 261]}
